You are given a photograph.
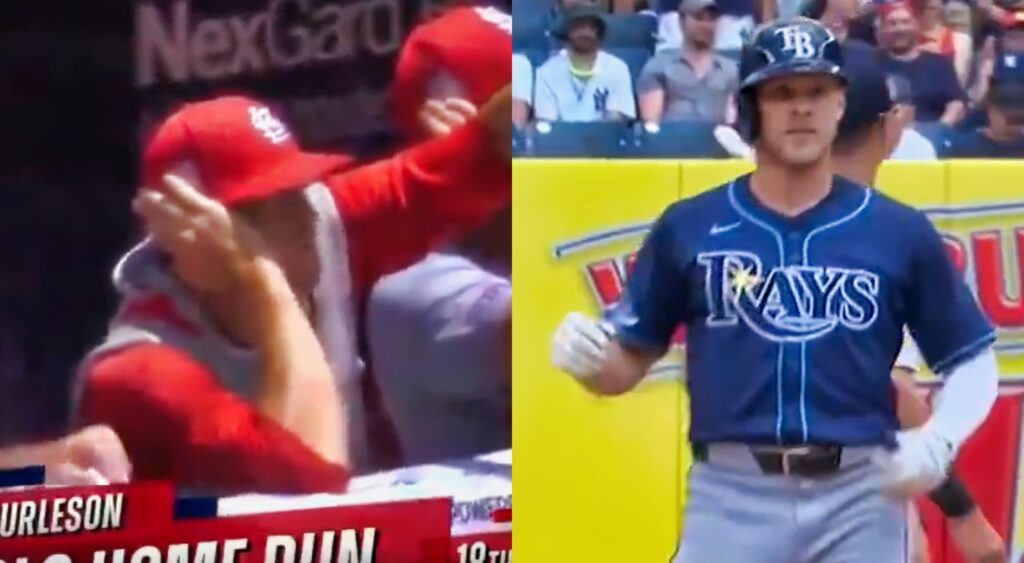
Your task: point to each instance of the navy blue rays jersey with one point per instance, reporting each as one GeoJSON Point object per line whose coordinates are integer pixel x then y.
{"type": "Point", "coordinates": [793, 324]}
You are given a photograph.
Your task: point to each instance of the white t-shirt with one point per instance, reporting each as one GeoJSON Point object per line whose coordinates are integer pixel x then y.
{"type": "Point", "coordinates": [476, 486]}
{"type": "Point", "coordinates": [522, 79]}
{"type": "Point", "coordinates": [561, 96]}
{"type": "Point", "coordinates": [913, 146]}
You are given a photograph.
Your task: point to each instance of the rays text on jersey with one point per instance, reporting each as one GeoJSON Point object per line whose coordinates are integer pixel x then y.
{"type": "Point", "coordinates": [789, 303]}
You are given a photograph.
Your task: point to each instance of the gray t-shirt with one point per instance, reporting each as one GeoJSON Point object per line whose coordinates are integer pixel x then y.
{"type": "Point", "coordinates": [686, 95]}
{"type": "Point", "coordinates": [439, 350]}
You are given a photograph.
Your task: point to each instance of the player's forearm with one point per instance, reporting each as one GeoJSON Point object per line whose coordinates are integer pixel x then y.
{"type": "Point", "coordinates": [621, 371]}
{"type": "Point", "coordinates": [967, 397]}
{"type": "Point", "coordinates": [420, 199]}
{"type": "Point", "coordinates": [297, 390]}
{"type": "Point", "coordinates": [911, 408]}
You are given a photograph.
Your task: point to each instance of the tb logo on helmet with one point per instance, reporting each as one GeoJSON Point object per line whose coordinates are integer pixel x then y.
{"type": "Point", "coordinates": [797, 41]}
{"type": "Point", "coordinates": [269, 125]}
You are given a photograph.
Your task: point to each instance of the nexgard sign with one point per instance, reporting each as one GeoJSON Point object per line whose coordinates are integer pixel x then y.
{"type": "Point", "coordinates": [577, 226]}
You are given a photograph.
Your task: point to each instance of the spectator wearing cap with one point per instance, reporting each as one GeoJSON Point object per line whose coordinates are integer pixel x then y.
{"type": "Point", "coordinates": [839, 16]}
{"type": "Point", "coordinates": [912, 144]}
{"type": "Point", "coordinates": [693, 82]}
{"type": "Point", "coordinates": [847, 19]}
{"type": "Point", "coordinates": [583, 82]}
{"type": "Point", "coordinates": [522, 89]}
{"type": "Point", "coordinates": [1007, 37]}
{"type": "Point", "coordinates": [938, 38]}
{"type": "Point", "coordinates": [1004, 106]}
{"type": "Point", "coordinates": [231, 364]}
{"type": "Point", "coordinates": [938, 95]}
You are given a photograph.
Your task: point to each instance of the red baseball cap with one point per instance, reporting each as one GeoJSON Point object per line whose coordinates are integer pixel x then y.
{"type": "Point", "coordinates": [239, 148]}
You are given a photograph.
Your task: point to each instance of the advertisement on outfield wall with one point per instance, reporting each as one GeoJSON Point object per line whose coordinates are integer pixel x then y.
{"type": "Point", "coordinates": [324, 65]}
{"type": "Point", "coordinates": [585, 238]}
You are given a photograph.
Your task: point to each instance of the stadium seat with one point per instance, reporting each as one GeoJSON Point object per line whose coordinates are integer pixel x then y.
{"type": "Point", "coordinates": [634, 58]}
{"type": "Point", "coordinates": [937, 133]}
{"type": "Point", "coordinates": [666, 6]}
{"type": "Point", "coordinates": [630, 30]}
{"type": "Point", "coordinates": [519, 147]}
{"type": "Point", "coordinates": [532, 20]}
{"type": "Point", "coordinates": [677, 139]}
{"type": "Point", "coordinates": [537, 57]}
{"type": "Point", "coordinates": [580, 140]}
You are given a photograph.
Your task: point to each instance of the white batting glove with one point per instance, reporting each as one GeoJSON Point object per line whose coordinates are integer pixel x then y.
{"type": "Point", "coordinates": [920, 462]}
{"type": "Point", "coordinates": [579, 345]}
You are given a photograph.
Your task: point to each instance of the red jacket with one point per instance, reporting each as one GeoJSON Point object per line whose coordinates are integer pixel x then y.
{"type": "Point", "coordinates": [177, 422]}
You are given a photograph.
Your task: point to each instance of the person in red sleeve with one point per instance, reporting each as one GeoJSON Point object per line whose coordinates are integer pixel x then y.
{"type": "Point", "coordinates": [463, 55]}
{"type": "Point", "coordinates": [200, 374]}
{"type": "Point", "coordinates": [446, 69]}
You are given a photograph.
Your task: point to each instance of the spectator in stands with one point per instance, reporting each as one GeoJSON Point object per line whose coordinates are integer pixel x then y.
{"type": "Point", "coordinates": [937, 38]}
{"type": "Point", "coordinates": [522, 89]}
{"type": "Point", "coordinates": [583, 82]}
{"type": "Point", "coordinates": [959, 18]}
{"type": "Point", "coordinates": [1008, 37]}
{"type": "Point", "coordinates": [779, 9]}
{"type": "Point", "coordinates": [912, 144]}
{"type": "Point", "coordinates": [737, 19]}
{"type": "Point", "coordinates": [839, 16]}
{"type": "Point", "coordinates": [938, 95]}
{"type": "Point", "coordinates": [693, 82]}
{"type": "Point", "coordinates": [1004, 136]}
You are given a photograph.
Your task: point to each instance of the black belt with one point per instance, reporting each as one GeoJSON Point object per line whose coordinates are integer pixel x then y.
{"type": "Point", "coordinates": [802, 461]}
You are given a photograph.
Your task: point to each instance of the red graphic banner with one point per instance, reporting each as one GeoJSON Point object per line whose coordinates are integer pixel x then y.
{"type": "Point", "coordinates": [136, 524]}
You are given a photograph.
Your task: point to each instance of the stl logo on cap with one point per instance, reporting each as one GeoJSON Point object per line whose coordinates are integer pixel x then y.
{"type": "Point", "coordinates": [268, 124]}
{"type": "Point", "coordinates": [497, 17]}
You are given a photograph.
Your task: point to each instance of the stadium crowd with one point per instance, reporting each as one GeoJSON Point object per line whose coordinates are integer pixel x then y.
{"type": "Point", "coordinates": [657, 78]}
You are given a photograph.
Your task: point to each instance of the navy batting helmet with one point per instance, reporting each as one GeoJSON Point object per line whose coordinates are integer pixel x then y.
{"type": "Point", "coordinates": [783, 48]}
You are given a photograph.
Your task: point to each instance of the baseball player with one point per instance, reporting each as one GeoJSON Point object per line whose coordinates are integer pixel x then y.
{"type": "Point", "coordinates": [869, 131]}
{"type": "Point", "coordinates": [463, 55]}
{"type": "Point", "coordinates": [795, 285]}
{"type": "Point", "coordinates": [438, 332]}
{"type": "Point", "coordinates": [207, 373]}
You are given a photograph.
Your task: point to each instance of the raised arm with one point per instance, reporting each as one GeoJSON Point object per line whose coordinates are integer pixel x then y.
{"type": "Point", "coordinates": [396, 210]}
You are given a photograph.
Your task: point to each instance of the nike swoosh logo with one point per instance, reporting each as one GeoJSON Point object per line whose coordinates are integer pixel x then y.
{"type": "Point", "coordinates": [717, 229]}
